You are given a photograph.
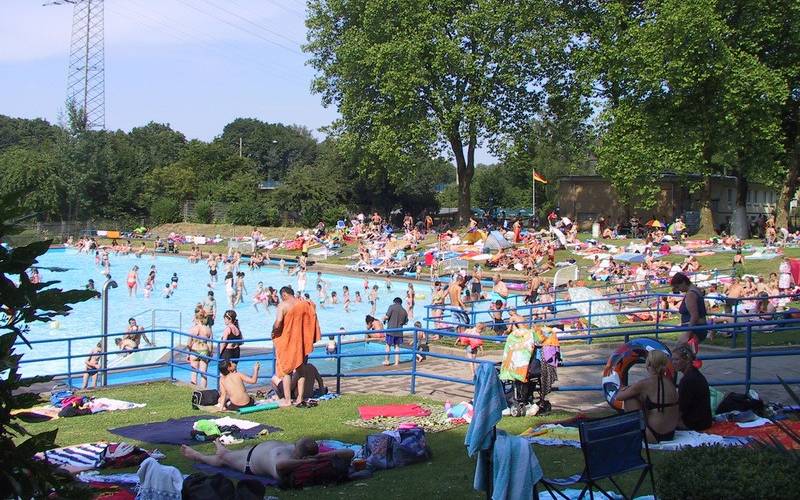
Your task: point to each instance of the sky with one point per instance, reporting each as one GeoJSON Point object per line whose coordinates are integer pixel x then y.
{"type": "Point", "coordinates": [194, 64]}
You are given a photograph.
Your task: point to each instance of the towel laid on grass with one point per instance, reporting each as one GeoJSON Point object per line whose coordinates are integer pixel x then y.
{"type": "Point", "coordinates": [436, 421]}
{"type": "Point", "coordinates": [76, 458]}
{"type": "Point", "coordinates": [559, 435]}
{"type": "Point", "coordinates": [762, 433]}
{"type": "Point", "coordinates": [50, 412]}
{"type": "Point", "coordinates": [177, 431]}
{"type": "Point", "coordinates": [394, 410]}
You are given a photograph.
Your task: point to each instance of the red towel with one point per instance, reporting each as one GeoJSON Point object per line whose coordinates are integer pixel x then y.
{"type": "Point", "coordinates": [761, 433]}
{"type": "Point", "coordinates": [410, 410]}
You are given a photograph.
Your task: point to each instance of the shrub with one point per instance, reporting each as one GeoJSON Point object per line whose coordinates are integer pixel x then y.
{"type": "Point", "coordinates": [715, 472]}
{"type": "Point", "coordinates": [244, 212]}
{"type": "Point", "coordinates": [204, 212]}
{"type": "Point", "coordinates": [165, 211]}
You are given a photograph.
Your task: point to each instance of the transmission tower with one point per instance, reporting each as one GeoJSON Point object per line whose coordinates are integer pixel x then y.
{"type": "Point", "coordinates": [86, 86]}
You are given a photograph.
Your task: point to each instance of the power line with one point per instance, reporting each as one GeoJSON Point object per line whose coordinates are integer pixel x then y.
{"type": "Point", "coordinates": [287, 9]}
{"type": "Point", "coordinates": [253, 23]}
{"type": "Point", "coordinates": [241, 28]}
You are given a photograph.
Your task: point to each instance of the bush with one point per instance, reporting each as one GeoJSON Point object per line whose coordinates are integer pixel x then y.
{"type": "Point", "coordinates": [204, 212]}
{"type": "Point", "coordinates": [715, 472]}
{"type": "Point", "coordinates": [165, 211]}
{"type": "Point", "coordinates": [244, 212]}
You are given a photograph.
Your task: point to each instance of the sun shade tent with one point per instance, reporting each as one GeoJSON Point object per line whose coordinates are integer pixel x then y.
{"type": "Point", "coordinates": [496, 241]}
{"type": "Point", "coordinates": [565, 275]}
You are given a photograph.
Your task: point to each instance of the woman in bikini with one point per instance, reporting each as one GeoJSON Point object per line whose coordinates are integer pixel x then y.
{"type": "Point", "coordinates": [657, 396]}
{"type": "Point", "coordinates": [438, 295]}
{"type": "Point", "coordinates": [230, 351]}
{"type": "Point", "coordinates": [201, 349]}
{"type": "Point", "coordinates": [133, 281]}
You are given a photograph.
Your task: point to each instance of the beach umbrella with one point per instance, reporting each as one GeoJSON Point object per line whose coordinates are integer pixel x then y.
{"type": "Point", "coordinates": [654, 223]}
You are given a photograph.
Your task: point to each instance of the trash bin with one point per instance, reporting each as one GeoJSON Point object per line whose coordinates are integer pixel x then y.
{"type": "Point", "coordinates": [595, 230]}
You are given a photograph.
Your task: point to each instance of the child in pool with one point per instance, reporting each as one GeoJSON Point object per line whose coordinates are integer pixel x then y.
{"type": "Point", "coordinates": [358, 297]}
{"type": "Point", "coordinates": [330, 348]}
{"type": "Point", "coordinates": [168, 290]}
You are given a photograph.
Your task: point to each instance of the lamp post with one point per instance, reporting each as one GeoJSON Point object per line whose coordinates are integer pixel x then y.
{"type": "Point", "coordinates": [108, 284]}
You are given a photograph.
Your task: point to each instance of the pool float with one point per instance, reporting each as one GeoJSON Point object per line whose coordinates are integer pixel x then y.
{"type": "Point", "coordinates": [55, 325]}
{"type": "Point", "coordinates": [615, 373]}
{"type": "Point", "coordinates": [261, 407]}
{"type": "Point", "coordinates": [420, 296]}
{"type": "Point", "coordinates": [517, 286]}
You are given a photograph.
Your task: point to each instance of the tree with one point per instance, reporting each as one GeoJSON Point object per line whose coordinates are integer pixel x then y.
{"type": "Point", "coordinates": [23, 303]}
{"type": "Point", "coordinates": [683, 96]}
{"type": "Point", "coordinates": [415, 78]}
{"type": "Point", "coordinates": [34, 173]}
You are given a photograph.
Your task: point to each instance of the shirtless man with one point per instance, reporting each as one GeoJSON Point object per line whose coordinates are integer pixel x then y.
{"type": "Point", "coordinates": [232, 393]}
{"type": "Point", "coordinates": [458, 308]}
{"type": "Point", "coordinates": [271, 458]}
{"type": "Point", "coordinates": [135, 333]}
{"type": "Point", "coordinates": [500, 288]}
{"type": "Point", "coordinates": [212, 268]}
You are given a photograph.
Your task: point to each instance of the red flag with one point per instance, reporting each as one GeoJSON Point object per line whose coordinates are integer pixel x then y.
{"type": "Point", "coordinates": [539, 178]}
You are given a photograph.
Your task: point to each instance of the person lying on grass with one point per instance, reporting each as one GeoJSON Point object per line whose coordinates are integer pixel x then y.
{"type": "Point", "coordinates": [270, 458]}
{"type": "Point", "coordinates": [232, 393]}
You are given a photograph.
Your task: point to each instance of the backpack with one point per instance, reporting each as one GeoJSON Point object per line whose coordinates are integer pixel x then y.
{"type": "Point", "coordinates": [206, 397]}
{"type": "Point", "coordinates": [323, 470]}
{"type": "Point", "coordinates": [740, 402]}
{"type": "Point", "coordinates": [385, 451]}
{"type": "Point", "coordinates": [199, 486]}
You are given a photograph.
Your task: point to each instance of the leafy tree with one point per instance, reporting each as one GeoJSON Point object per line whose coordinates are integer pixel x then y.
{"type": "Point", "coordinates": [155, 145]}
{"type": "Point", "coordinates": [204, 212]}
{"type": "Point", "coordinates": [33, 134]}
{"type": "Point", "coordinates": [309, 191]}
{"type": "Point", "coordinates": [414, 78]}
{"type": "Point", "coordinates": [34, 173]}
{"type": "Point", "coordinates": [165, 211]}
{"type": "Point", "coordinates": [23, 303]}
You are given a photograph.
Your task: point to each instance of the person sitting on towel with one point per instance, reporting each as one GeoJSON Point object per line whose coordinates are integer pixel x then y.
{"type": "Point", "coordinates": [232, 393]}
{"type": "Point", "coordinates": [309, 372]}
{"type": "Point", "coordinates": [694, 399]}
{"type": "Point", "coordinates": [269, 458]}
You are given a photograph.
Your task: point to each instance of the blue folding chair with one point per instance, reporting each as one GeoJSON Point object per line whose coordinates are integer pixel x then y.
{"type": "Point", "coordinates": [611, 446]}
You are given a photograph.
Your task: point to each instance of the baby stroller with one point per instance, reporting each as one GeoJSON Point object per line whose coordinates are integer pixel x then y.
{"type": "Point", "coordinates": [541, 375]}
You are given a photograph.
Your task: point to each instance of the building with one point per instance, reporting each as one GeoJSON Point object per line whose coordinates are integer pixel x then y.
{"type": "Point", "coordinates": [585, 198]}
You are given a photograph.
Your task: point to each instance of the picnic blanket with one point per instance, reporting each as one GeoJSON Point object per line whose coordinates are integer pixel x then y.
{"type": "Point", "coordinates": [178, 431]}
{"type": "Point", "coordinates": [50, 412]}
{"type": "Point", "coordinates": [436, 421]}
{"type": "Point", "coordinates": [235, 475]}
{"type": "Point", "coordinates": [560, 435]}
{"type": "Point", "coordinates": [392, 410]}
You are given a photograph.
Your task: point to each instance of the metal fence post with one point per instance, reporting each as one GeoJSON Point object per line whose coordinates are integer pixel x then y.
{"type": "Point", "coordinates": [338, 364]}
{"type": "Point", "coordinates": [414, 346]}
{"type": "Point", "coordinates": [172, 355]}
{"type": "Point", "coordinates": [69, 363]}
{"type": "Point", "coordinates": [658, 315]}
{"type": "Point", "coordinates": [748, 360]}
{"type": "Point", "coordinates": [734, 330]}
{"type": "Point", "coordinates": [589, 323]}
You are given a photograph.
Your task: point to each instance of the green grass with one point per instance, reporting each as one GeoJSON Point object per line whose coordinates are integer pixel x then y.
{"type": "Point", "coordinates": [448, 474]}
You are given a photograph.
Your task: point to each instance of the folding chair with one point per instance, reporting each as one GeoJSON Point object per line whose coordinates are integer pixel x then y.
{"type": "Point", "coordinates": [611, 446]}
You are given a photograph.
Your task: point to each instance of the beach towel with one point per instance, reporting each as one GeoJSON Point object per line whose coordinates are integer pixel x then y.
{"type": "Point", "coordinates": [515, 469]}
{"type": "Point", "coordinates": [176, 431]}
{"type": "Point", "coordinates": [235, 475]}
{"type": "Point", "coordinates": [560, 435]}
{"type": "Point", "coordinates": [159, 482]}
{"type": "Point", "coordinates": [98, 405]}
{"type": "Point", "coordinates": [517, 354]}
{"type": "Point", "coordinates": [761, 433]}
{"type": "Point", "coordinates": [79, 457]}
{"type": "Point", "coordinates": [489, 403]}
{"type": "Point", "coordinates": [393, 410]}
{"type": "Point", "coordinates": [296, 341]}
{"type": "Point", "coordinates": [436, 421]}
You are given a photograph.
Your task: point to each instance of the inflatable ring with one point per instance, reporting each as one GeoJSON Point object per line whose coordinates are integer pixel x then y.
{"type": "Point", "coordinates": [615, 373]}
{"type": "Point", "coordinates": [420, 296]}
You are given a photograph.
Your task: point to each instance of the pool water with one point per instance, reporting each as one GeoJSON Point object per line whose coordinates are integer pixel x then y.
{"type": "Point", "coordinates": [193, 287]}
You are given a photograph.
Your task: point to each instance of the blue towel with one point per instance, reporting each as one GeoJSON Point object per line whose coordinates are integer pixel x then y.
{"type": "Point", "coordinates": [489, 401]}
{"type": "Point", "coordinates": [515, 468]}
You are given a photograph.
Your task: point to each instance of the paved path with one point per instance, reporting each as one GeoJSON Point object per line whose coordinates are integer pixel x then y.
{"type": "Point", "coordinates": [714, 370]}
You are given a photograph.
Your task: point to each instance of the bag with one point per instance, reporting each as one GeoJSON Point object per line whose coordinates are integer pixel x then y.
{"type": "Point", "coordinates": [323, 470]}
{"type": "Point", "coordinates": [740, 402]}
{"type": "Point", "coordinates": [115, 456]}
{"type": "Point", "coordinates": [206, 397]}
{"type": "Point", "coordinates": [199, 486]}
{"type": "Point", "coordinates": [384, 451]}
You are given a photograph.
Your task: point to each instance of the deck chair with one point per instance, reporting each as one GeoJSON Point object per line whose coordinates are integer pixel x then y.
{"type": "Point", "coordinates": [611, 446]}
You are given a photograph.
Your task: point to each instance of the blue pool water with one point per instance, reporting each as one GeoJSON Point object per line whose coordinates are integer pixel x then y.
{"type": "Point", "coordinates": [194, 284]}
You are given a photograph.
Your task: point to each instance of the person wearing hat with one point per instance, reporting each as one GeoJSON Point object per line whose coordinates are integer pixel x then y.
{"type": "Point", "coordinates": [692, 311]}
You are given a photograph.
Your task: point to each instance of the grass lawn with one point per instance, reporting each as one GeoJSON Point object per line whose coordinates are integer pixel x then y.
{"type": "Point", "coordinates": [449, 474]}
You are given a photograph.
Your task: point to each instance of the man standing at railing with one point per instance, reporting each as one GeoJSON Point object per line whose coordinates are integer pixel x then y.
{"type": "Point", "coordinates": [295, 330]}
{"type": "Point", "coordinates": [455, 292]}
{"type": "Point", "coordinates": [395, 317]}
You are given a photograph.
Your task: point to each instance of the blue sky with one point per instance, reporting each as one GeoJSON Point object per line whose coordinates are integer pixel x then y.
{"type": "Point", "coordinates": [195, 64]}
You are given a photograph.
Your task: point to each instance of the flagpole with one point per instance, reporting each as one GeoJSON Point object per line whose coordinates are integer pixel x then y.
{"type": "Point", "coordinates": [533, 194]}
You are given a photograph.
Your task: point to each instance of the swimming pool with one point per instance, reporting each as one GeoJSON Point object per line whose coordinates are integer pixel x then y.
{"type": "Point", "coordinates": [194, 284]}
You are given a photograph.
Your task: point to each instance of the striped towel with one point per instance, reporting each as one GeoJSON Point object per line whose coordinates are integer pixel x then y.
{"type": "Point", "coordinates": [80, 457]}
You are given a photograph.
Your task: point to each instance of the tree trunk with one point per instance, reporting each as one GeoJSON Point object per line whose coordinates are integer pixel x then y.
{"type": "Point", "coordinates": [706, 216]}
{"type": "Point", "coordinates": [740, 226]}
{"type": "Point", "coordinates": [792, 152]}
{"type": "Point", "coordinates": [465, 168]}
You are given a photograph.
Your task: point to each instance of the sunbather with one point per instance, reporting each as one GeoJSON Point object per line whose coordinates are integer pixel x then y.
{"type": "Point", "coordinates": [270, 458]}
